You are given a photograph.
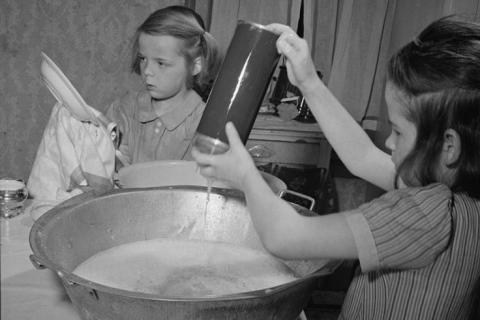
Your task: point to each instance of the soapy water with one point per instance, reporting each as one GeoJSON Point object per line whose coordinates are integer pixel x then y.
{"type": "Point", "coordinates": [185, 268]}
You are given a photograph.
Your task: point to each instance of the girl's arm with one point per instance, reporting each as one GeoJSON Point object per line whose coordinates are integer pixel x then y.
{"type": "Point", "coordinates": [289, 235]}
{"type": "Point", "coordinates": [282, 230]}
{"type": "Point", "coordinates": [359, 154]}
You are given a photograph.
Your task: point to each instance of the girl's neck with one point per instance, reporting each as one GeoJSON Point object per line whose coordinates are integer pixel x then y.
{"type": "Point", "coordinates": [163, 106]}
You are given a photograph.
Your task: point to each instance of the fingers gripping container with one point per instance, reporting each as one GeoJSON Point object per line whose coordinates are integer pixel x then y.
{"type": "Point", "coordinates": [238, 90]}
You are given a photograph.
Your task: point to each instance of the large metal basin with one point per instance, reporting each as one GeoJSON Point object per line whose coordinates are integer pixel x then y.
{"type": "Point", "coordinates": [70, 233]}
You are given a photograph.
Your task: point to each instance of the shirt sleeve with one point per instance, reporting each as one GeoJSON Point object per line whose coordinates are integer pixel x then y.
{"type": "Point", "coordinates": [121, 113]}
{"type": "Point", "coordinates": [405, 228]}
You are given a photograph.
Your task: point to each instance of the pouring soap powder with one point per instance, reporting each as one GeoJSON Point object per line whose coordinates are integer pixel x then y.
{"type": "Point", "coordinates": [184, 268]}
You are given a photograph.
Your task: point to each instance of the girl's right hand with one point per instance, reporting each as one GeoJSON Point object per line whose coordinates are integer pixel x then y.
{"type": "Point", "coordinates": [233, 166]}
{"type": "Point", "coordinates": [300, 67]}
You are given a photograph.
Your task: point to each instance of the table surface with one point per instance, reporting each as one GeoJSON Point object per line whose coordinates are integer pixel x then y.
{"type": "Point", "coordinates": [28, 293]}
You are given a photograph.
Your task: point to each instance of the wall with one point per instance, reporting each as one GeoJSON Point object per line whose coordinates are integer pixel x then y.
{"type": "Point", "coordinates": [89, 40]}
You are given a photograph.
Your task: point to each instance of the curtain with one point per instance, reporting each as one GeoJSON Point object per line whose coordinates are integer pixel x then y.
{"type": "Point", "coordinates": [347, 38]}
{"type": "Point", "coordinates": [363, 29]}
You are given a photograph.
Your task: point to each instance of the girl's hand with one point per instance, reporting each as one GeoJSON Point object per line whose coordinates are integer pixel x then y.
{"type": "Point", "coordinates": [232, 166]}
{"type": "Point", "coordinates": [300, 68]}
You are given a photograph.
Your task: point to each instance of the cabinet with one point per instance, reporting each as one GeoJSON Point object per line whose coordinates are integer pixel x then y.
{"type": "Point", "coordinates": [297, 153]}
{"type": "Point", "coordinates": [288, 143]}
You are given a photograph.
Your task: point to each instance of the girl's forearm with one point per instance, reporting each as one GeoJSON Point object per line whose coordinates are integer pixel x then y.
{"type": "Point", "coordinates": [260, 201]}
{"type": "Point", "coordinates": [287, 234]}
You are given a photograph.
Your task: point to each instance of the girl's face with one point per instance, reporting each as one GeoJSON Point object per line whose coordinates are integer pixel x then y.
{"type": "Point", "coordinates": [404, 132]}
{"type": "Point", "coordinates": [163, 67]}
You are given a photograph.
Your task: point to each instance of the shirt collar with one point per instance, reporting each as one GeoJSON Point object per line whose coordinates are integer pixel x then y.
{"type": "Point", "coordinates": [172, 118]}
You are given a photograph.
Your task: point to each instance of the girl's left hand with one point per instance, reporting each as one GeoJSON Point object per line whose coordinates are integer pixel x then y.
{"type": "Point", "coordinates": [300, 67]}
{"type": "Point", "coordinates": [232, 166]}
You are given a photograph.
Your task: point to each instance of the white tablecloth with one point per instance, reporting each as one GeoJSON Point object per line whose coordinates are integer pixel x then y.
{"type": "Point", "coordinates": [28, 293]}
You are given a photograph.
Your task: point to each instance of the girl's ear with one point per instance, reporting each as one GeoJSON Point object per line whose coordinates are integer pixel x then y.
{"type": "Point", "coordinates": [452, 146]}
{"type": "Point", "coordinates": [197, 66]}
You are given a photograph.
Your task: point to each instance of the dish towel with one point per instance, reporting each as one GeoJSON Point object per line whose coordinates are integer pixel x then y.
{"type": "Point", "coordinates": [73, 157]}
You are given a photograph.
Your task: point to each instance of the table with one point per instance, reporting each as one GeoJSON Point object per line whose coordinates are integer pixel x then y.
{"type": "Point", "coordinates": [28, 293]}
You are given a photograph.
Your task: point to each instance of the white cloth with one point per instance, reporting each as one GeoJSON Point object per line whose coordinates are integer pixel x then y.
{"type": "Point", "coordinates": [73, 157]}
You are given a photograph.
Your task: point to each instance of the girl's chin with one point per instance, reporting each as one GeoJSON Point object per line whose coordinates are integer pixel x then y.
{"type": "Point", "coordinates": [158, 97]}
{"type": "Point", "coordinates": [155, 95]}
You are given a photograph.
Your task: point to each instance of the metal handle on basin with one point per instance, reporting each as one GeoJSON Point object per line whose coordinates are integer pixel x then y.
{"type": "Point", "coordinates": [40, 266]}
{"type": "Point", "coordinates": [300, 195]}
{"type": "Point", "coordinates": [37, 264]}
{"type": "Point", "coordinates": [69, 282]}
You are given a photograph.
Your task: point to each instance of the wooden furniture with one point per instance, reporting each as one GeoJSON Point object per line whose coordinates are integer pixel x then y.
{"type": "Point", "coordinates": [288, 143]}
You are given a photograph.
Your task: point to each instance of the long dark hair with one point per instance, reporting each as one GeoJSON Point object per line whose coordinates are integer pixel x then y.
{"type": "Point", "coordinates": [185, 24]}
{"type": "Point", "coordinates": [439, 74]}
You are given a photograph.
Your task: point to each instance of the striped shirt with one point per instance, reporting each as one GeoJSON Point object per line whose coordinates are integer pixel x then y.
{"type": "Point", "coordinates": [419, 253]}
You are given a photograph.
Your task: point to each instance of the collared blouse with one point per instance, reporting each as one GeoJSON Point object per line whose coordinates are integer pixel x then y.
{"type": "Point", "coordinates": [147, 136]}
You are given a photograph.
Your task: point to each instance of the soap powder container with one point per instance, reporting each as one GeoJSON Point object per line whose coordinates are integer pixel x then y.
{"type": "Point", "coordinates": [238, 90]}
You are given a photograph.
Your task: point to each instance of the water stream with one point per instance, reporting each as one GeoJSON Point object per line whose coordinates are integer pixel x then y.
{"type": "Point", "coordinates": [209, 190]}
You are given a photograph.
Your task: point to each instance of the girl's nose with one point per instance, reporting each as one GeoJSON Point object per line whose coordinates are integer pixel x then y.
{"type": "Point", "coordinates": [147, 70]}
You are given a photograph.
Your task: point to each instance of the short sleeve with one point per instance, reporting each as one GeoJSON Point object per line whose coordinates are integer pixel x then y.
{"type": "Point", "coordinates": [405, 228]}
